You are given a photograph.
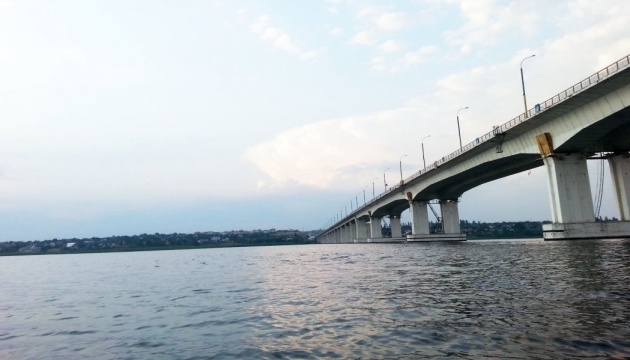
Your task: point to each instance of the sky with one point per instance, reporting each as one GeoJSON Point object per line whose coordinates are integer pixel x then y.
{"type": "Point", "coordinates": [129, 117]}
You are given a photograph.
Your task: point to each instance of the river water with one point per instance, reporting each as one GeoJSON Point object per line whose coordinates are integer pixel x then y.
{"type": "Point", "coordinates": [500, 299]}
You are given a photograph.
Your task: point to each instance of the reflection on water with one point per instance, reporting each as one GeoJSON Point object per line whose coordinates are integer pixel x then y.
{"type": "Point", "coordinates": [517, 299]}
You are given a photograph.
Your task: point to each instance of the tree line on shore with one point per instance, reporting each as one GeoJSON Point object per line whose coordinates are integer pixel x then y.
{"type": "Point", "coordinates": [472, 229]}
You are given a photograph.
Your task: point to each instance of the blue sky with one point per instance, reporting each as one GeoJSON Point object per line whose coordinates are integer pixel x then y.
{"type": "Point", "coordinates": [126, 117]}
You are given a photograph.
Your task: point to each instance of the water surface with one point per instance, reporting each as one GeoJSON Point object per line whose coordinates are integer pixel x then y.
{"type": "Point", "coordinates": [502, 299]}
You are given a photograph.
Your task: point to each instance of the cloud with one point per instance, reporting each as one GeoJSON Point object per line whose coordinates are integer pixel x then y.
{"type": "Point", "coordinates": [328, 153]}
{"type": "Point", "coordinates": [390, 46]}
{"type": "Point", "coordinates": [420, 55]}
{"type": "Point", "coordinates": [335, 31]}
{"type": "Point", "coordinates": [362, 38]}
{"type": "Point", "coordinates": [281, 40]}
{"type": "Point", "coordinates": [392, 21]}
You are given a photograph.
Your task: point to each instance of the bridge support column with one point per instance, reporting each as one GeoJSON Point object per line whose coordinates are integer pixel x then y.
{"type": "Point", "coordinates": [620, 170]}
{"type": "Point", "coordinates": [572, 211]}
{"type": "Point", "coordinates": [348, 238]}
{"type": "Point", "coordinates": [450, 216]}
{"type": "Point", "coordinates": [394, 225]}
{"type": "Point", "coordinates": [420, 223]}
{"type": "Point", "coordinates": [569, 189]}
{"type": "Point", "coordinates": [419, 218]}
{"type": "Point", "coordinates": [376, 231]}
{"type": "Point", "coordinates": [361, 231]}
{"type": "Point", "coordinates": [344, 234]}
{"type": "Point", "coordinates": [353, 232]}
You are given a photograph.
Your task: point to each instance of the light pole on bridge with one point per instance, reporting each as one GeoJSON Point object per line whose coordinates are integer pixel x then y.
{"type": "Point", "coordinates": [459, 132]}
{"type": "Point", "coordinates": [385, 182]}
{"type": "Point", "coordinates": [400, 163]}
{"type": "Point", "coordinates": [373, 192]}
{"type": "Point", "coordinates": [424, 164]}
{"type": "Point", "coordinates": [523, 83]}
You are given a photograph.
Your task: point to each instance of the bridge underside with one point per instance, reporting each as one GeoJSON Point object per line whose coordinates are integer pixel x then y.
{"type": "Point", "coordinates": [611, 134]}
{"type": "Point", "coordinates": [453, 187]}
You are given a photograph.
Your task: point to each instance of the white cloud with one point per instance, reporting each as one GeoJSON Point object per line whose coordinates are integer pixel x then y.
{"type": "Point", "coordinates": [362, 38]}
{"type": "Point", "coordinates": [390, 46]}
{"type": "Point", "coordinates": [392, 21]}
{"type": "Point", "coordinates": [418, 56]}
{"type": "Point", "coordinates": [335, 31]}
{"type": "Point", "coordinates": [280, 39]}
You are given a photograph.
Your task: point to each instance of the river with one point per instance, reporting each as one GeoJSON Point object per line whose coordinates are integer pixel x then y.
{"type": "Point", "coordinates": [517, 299]}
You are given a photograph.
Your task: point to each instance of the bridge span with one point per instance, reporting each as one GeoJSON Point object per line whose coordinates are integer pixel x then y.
{"type": "Point", "coordinates": [590, 119]}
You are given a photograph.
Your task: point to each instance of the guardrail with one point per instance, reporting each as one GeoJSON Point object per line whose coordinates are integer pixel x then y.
{"type": "Point", "coordinates": [590, 81]}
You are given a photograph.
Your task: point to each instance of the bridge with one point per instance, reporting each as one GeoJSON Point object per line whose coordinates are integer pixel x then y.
{"type": "Point", "coordinates": [590, 119]}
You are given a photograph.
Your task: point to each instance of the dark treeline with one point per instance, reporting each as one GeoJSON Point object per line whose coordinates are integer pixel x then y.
{"type": "Point", "coordinates": [157, 242]}
{"type": "Point", "coordinates": [483, 230]}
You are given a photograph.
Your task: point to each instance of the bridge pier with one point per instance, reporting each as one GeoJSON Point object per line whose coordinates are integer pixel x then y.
{"type": "Point", "coordinates": [376, 231]}
{"type": "Point", "coordinates": [353, 232]}
{"type": "Point", "coordinates": [394, 225]}
{"type": "Point", "coordinates": [570, 195]}
{"type": "Point", "coordinates": [361, 231]}
{"type": "Point", "coordinates": [420, 231]}
{"type": "Point", "coordinates": [620, 170]}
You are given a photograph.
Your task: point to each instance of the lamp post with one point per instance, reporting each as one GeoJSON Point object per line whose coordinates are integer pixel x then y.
{"type": "Point", "coordinates": [385, 182]}
{"type": "Point", "coordinates": [424, 164]}
{"type": "Point", "coordinates": [458, 129]}
{"type": "Point", "coordinates": [364, 195]}
{"type": "Point", "coordinates": [401, 179]}
{"type": "Point", "coordinates": [523, 83]}
{"type": "Point", "coordinates": [373, 192]}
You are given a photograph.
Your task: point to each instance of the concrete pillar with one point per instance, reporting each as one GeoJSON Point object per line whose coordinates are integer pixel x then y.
{"type": "Point", "coordinates": [362, 234]}
{"type": "Point", "coordinates": [346, 234]}
{"type": "Point", "coordinates": [348, 238]}
{"type": "Point", "coordinates": [419, 217]}
{"type": "Point", "coordinates": [450, 216]}
{"type": "Point", "coordinates": [376, 231]}
{"type": "Point", "coordinates": [353, 231]}
{"type": "Point", "coordinates": [569, 189]}
{"type": "Point", "coordinates": [620, 170]}
{"type": "Point", "coordinates": [394, 224]}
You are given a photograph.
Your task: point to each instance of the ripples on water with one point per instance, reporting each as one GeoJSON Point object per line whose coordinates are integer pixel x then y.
{"type": "Point", "coordinates": [499, 299]}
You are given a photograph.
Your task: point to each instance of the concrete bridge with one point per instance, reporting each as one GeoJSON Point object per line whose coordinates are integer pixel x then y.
{"type": "Point", "coordinates": [588, 120]}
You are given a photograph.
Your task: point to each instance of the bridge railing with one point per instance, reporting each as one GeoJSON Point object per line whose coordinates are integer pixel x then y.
{"type": "Point", "coordinates": [537, 109]}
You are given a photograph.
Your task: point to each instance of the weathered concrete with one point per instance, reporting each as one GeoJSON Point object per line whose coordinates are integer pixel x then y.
{"type": "Point", "coordinates": [569, 189]}
{"type": "Point", "coordinates": [419, 217]}
{"type": "Point", "coordinates": [376, 230]}
{"type": "Point", "coordinates": [590, 230]}
{"type": "Point", "coordinates": [450, 217]}
{"type": "Point", "coordinates": [436, 237]}
{"type": "Point", "coordinates": [394, 225]}
{"type": "Point", "coordinates": [620, 171]}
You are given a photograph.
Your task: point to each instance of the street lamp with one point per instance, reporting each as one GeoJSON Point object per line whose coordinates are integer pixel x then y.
{"type": "Point", "coordinates": [373, 192]}
{"type": "Point", "coordinates": [523, 83]}
{"type": "Point", "coordinates": [385, 182]}
{"type": "Point", "coordinates": [401, 179]}
{"type": "Point", "coordinates": [458, 130]}
{"type": "Point", "coordinates": [422, 143]}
